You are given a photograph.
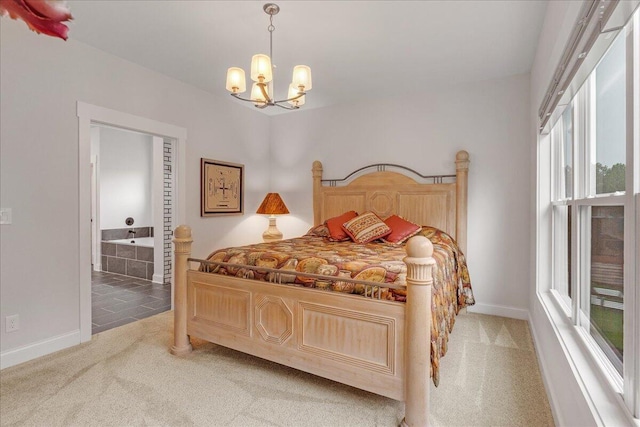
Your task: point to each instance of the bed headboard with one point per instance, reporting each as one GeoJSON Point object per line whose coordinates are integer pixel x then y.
{"type": "Point", "coordinates": [438, 202]}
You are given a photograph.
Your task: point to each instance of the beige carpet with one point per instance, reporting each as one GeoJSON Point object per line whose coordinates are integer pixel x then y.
{"type": "Point", "coordinates": [126, 377]}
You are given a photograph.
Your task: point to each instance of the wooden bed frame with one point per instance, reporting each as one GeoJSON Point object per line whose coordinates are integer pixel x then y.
{"type": "Point", "coordinates": [375, 345]}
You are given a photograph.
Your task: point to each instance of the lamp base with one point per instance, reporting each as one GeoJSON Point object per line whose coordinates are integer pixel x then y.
{"type": "Point", "coordinates": [272, 234]}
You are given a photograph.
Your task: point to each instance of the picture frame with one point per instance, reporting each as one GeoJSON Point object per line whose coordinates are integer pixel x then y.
{"type": "Point", "coordinates": [221, 187]}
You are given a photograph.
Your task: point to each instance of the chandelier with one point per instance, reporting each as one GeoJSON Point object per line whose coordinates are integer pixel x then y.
{"type": "Point", "coordinates": [262, 76]}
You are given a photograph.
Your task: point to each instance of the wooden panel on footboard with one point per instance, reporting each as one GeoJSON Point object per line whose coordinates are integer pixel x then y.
{"type": "Point", "coordinates": [352, 340]}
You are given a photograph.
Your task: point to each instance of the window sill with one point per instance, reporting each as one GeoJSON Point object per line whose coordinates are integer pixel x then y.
{"type": "Point", "coordinates": [600, 394]}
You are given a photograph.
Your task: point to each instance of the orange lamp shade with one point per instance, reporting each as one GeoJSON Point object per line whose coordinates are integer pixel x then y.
{"type": "Point", "coordinates": [272, 205]}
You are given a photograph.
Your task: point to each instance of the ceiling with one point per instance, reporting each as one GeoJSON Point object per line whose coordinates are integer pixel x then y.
{"type": "Point", "coordinates": [357, 50]}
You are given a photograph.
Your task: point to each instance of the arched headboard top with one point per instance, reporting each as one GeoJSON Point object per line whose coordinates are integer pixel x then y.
{"type": "Point", "coordinates": [384, 178]}
{"type": "Point", "coordinates": [439, 203]}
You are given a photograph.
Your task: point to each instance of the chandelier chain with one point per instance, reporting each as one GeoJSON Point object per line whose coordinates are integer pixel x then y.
{"type": "Point", "coordinates": [271, 29]}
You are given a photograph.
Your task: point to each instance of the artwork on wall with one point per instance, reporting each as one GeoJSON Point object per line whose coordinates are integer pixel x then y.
{"type": "Point", "coordinates": [222, 188]}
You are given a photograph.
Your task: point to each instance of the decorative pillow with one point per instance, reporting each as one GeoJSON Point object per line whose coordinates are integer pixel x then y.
{"type": "Point", "coordinates": [319, 231]}
{"type": "Point", "coordinates": [401, 229]}
{"type": "Point", "coordinates": [334, 225]}
{"type": "Point", "coordinates": [365, 228]}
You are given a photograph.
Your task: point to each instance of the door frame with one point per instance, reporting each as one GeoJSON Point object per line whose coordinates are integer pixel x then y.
{"type": "Point", "coordinates": [88, 114]}
{"type": "Point", "coordinates": [96, 253]}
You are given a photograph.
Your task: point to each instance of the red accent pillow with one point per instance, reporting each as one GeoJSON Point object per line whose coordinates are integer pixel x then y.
{"type": "Point", "coordinates": [336, 233]}
{"type": "Point", "coordinates": [366, 228]}
{"type": "Point", "coordinates": [401, 229]}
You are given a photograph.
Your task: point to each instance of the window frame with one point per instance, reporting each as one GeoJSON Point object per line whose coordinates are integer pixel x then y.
{"type": "Point", "coordinates": [631, 375]}
{"type": "Point", "coordinates": [582, 199]}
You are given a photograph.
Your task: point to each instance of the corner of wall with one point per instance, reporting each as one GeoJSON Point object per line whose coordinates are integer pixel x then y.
{"type": "Point", "coordinates": [499, 310]}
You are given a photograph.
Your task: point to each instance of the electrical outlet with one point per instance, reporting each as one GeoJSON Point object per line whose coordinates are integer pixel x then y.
{"type": "Point", "coordinates": [12, 323]}
{"type": "Point", "coordinates": [5, 216]}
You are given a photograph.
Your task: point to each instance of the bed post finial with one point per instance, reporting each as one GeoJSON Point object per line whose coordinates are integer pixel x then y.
{"type": "Point", "coordinates": [462, 156]}
{"type": "Point", "coordinates": [316, 170]}
{"type": "Point", "coordinates": [462, 179]}
{"type": "Point", "coordinates": [182, 244]}
{"type": "Point", "coordinates": [417, 338]}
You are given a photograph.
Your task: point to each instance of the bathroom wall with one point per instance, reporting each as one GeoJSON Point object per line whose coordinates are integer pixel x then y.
{"type": "Point", "coordinates": [125, 165]}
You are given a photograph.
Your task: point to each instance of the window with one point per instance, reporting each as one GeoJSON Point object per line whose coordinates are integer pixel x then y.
{"type": "Point", "coordinates": [567, 154]}
{"type": "Point", "coordinates": [604, 291]}
{"type": "Point", "coordinates": [609, 82]}
{"type": "Point", "coordinates": [599, 108]}
{"type": "Point", "coordinates": [562, 141]}
{"type": "Point", "coordinates": [593, 205]}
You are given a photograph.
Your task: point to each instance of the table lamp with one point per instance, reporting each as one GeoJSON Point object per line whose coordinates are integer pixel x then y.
{"type": "Point", "coordinates": [272, 205]}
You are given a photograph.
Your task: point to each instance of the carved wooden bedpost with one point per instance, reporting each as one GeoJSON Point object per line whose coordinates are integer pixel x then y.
{"type": "Point", "coordinates": [317, 187]}
{"type": "Point", "coordinates": [462, 179]}
{"type": "Point", "coordinates": [417, 339]}
{"type": "Point", "coordinates": [182, 242]}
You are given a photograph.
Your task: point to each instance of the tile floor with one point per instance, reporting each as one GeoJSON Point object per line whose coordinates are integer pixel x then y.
{"type": "Point", "coordinates": [117, 300]}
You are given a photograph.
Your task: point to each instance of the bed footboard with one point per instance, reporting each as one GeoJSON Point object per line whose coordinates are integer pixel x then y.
{"type": "Point", "coordinates": [375, 345]}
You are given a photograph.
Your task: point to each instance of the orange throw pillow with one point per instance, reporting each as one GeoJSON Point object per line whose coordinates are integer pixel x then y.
{"type": "Point", "coordinates": [401, 229]}
{"type": "Point", "coordinates": [336, 233]}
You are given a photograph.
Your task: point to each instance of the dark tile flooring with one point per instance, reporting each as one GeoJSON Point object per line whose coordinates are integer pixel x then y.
{"type": "Point", "coordinates": [117, 300]}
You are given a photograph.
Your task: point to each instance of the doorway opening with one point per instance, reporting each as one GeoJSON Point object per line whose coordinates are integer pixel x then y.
{"type": "Point", "coordinates": [168, 142]}
{"type": "Point", "coordinates": [131, 218]}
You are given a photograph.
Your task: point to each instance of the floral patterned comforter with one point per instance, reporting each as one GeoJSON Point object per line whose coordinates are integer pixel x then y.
{"type": "Point", "coordinates": [373, 262]}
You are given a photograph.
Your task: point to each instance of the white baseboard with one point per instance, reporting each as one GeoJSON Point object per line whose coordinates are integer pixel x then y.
{"type": "Point", "coordinates": [499, 310]}
{"type": "Point", "coordinates": [29, 352]}
{"type": "Point", "coordinates": [158, 278]}
{"type": "Point", "coordinates": [547, 380]}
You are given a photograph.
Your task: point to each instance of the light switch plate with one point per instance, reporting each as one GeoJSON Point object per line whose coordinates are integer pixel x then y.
{"type": "Point", "coordinates": [5, 216]}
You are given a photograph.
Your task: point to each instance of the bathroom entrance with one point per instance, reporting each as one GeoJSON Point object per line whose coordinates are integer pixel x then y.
{"type": "Point", "coordinates": [132, 217]}
{"type": "Point", "coordinates": [89, 115]}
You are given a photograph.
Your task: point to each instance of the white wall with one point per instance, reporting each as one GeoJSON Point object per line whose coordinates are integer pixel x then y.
{"type": "Point", "coordinates": [41, 79]}
{"type": "Point", "coordinates": [126, 166]}
{"type": "Point", "coordinates": [488, 119]}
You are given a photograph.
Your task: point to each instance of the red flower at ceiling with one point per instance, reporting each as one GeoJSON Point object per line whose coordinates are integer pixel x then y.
{"type": "Point", "coordinates": [42, 16]}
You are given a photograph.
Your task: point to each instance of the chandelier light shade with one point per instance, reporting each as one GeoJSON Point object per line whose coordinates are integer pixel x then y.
{"type": "Point", "coordinates": [236, 83]}
{"type": "Point", "coordinates": [302, 77]}
{"type": "Point", "coordinates": [256, 95]}
{"type": "Point", "coordinates": [261, 68]}
{"type": "Point", "coordinates": [262, 74]}
{"type": "Point", "coordinates": [272, 205]}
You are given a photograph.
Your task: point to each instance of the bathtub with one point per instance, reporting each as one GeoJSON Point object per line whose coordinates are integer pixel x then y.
{"type": "Point", "coordinates": [147, 242]}
{"type": "Point", "coordinates": [131, 257]}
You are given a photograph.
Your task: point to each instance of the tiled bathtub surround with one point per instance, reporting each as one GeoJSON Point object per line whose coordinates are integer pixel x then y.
{"type": "Point", "coordinates": [130, 260]}
{"type": "Point", "coordinates": [123, 233]}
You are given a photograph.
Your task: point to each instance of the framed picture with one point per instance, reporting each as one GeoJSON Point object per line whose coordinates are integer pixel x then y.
{"type": "Point", "coordinates": [222, 188]}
